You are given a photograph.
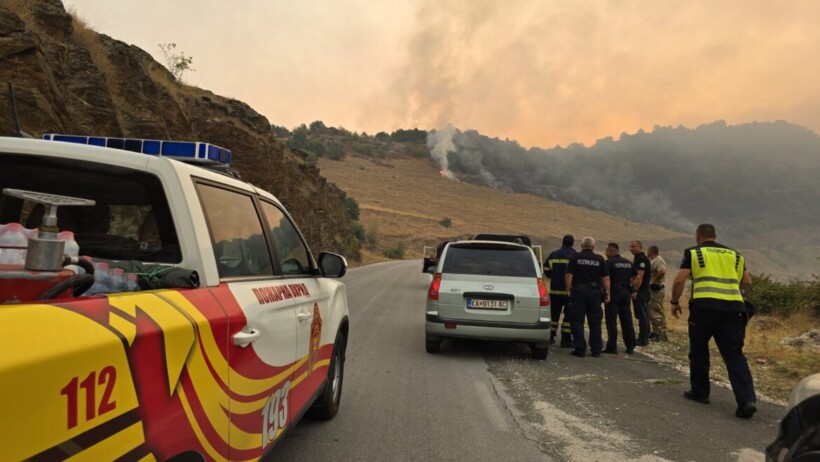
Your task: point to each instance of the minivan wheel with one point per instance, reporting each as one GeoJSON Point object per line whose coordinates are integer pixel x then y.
{"type": "Point", "coordinates": [433, 346]}
{"type": "Point", "coordinates": [538, 352]}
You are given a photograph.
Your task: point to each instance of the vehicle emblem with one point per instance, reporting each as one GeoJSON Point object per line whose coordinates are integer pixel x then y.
{"type": "Point", "coordinates": [488, 287]}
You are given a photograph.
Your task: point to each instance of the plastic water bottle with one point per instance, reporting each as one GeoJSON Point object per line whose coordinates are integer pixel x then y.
{"type": "Point", "coordinates": [118, 280]}
{"type": "Point", "coordinates": [133, 284]}
{"type": "Point", "coordinates": [13, 244]}
{"type": "Point", "coordinates": [102, 278]}
{"type": "Point", "coordinates": [71, 248]}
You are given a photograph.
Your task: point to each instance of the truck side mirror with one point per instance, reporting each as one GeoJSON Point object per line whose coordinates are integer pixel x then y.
{"type": "Point", "coordinates": [332, 265]}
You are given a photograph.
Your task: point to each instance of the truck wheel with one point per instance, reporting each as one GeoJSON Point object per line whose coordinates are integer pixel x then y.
{"type": "Point", "coordinates": [433, 346]}
{"type": "Point", "coordinates": [538, 352]}
{"type": "Point", "coordinates": [327, 404]}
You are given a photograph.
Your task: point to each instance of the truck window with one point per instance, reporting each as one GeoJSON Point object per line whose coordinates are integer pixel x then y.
{"type": "Point", "coordinates": [237, 234]}
{"type": "Point", "coordinates": [131, 219]}
{"type": "Point", "coordinates": [291, 251]}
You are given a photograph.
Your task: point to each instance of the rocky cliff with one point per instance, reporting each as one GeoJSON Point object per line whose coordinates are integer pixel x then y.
{"type": "Point", "coordinates": [70, 79]}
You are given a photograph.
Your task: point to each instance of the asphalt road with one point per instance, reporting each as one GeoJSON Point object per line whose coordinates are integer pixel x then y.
{"type": "Point", "coordinates": [490, 401]}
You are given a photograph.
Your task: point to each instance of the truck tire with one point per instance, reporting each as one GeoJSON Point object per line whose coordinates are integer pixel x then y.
{"type": "Point", "coordinates": [327, 404]}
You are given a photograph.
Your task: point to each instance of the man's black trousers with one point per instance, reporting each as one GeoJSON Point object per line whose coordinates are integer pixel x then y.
{"type": "Point", "coordinates": [618, 308]}
{"type": "Point", "coordinates": [586, 302]}
{"type": "Point", "coordinates": [729, 330]}
{"type": "Point", "coordinates": [641, 308]}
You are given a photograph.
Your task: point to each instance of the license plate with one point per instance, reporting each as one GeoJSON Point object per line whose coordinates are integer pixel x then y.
{"type": "Point", "coordinates": [481, 304]}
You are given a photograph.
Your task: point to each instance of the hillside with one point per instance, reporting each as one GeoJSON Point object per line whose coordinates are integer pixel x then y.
{"type": "Point", "coordinates": [407, 199]}
{"type": "Point", "coordinates": [404, 193]}
{"type": "Point", "coordinates": [70, 79]}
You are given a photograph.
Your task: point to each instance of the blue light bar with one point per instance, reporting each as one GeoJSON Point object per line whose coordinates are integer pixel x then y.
{"type": "Point", "coordinates": [191, 150]}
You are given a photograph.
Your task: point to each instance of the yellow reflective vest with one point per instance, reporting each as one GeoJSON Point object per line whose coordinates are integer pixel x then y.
{"type": "Point", "coordinates": [716, 273]}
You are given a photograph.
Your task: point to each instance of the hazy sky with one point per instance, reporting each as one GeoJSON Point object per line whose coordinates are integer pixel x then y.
{"type": "Point", "coordinates": [542, 72]}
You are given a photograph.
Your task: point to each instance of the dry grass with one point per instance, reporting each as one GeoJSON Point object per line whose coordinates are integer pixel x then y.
{"type": "Point", "coordinates": [22, 8]}
{"type": "Point", "coordinates": [407, 199]}
{"type": "Point", "coordinates": [90, 40]}
{"type": "Point", "coordinates": [775, 368]}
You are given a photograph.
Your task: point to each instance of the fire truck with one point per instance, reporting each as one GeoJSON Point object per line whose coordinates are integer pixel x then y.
{"type": "Point", "coordinates": [155, 306]}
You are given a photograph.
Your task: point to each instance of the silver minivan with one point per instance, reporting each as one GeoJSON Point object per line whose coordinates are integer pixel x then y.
{"type": "Point", "coordinates": [488, 290]}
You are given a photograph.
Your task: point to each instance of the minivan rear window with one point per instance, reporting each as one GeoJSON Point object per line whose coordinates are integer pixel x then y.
{"type": "Point", "coordinates": [495, 261]}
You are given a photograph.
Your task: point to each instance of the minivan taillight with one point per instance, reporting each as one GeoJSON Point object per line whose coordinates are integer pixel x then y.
{"type": "Point", "coordinates": [543, 297]}
{"type": "Point", "coordinates": [434, 286]}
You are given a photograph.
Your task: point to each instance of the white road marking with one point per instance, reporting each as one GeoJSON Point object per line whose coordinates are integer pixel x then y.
{"type": "Point", "coordinates": [490, 407]}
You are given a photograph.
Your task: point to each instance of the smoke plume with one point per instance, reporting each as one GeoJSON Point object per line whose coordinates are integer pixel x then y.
{"type": "Point", "coordinates": [751, 178]}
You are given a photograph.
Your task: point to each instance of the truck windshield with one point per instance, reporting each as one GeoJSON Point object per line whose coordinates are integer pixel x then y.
{"type": "Point", "coordinates": [130, 221]}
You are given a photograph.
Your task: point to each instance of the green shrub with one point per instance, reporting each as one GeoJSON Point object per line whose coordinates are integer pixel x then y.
{"type": "Point", "coordinates": [335, 151]}
{"type": "Point", "coordinates": [352, 250]}
{"type": "Point", "coordinates": [446, 222]}
{"type": "Point", "coordinates": [316, 147]}
{"type": "Point", "coordinates": [783, 298]}
{"type": "Point", "coordinates": [311, 159]}
{"type": "Point", "coordinates": [358, 230]}
{"type": "Point", "coordinates": [418, 150]}
{"type": "Point", "coordinates": [365, 149]}
{"type": "Point", "coordinates": [352, 207]}
{"type": "Point", "coordinates": [395, 253]}
{"type": "Point", "coordinates": [372, 234]}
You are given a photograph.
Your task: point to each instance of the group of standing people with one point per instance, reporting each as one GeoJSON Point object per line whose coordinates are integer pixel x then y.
{"type": "Point", "coordinates": [616, 282]}
{"type": "Point", "coordinates": [581, 281]}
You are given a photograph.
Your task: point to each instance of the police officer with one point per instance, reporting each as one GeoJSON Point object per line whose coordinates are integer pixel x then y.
{"type": "Point", "coordinates": [555, 268]}
{"type": "Point", "coordinates": [587, 281]}
{"type": "Point", "coordinates": [621, 273]}
{"type": "Point", "coordinates": [640, 291]}
{"type": "Point", "coordinates": [657, 317]}
{"type": "Point", "coordinates": [716, 309]}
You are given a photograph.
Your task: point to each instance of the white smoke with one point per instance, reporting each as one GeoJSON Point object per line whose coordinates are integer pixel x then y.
{"type": "Point", "coordinates": [441, 143]}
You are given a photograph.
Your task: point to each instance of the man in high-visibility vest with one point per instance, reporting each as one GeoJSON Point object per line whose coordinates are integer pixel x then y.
{"type": "Point", "coordinates": [716, 309]}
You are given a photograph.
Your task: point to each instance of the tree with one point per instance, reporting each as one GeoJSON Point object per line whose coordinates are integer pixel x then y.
{"type": "Point", "coordinates": [317, 125]}
{"type": "Point", "coordinates": [177, 63]}
{"type": "Point", "coordinates": [335, 151]}
{"type": "Point", "coordinates": [316, 147]}
{"type": "Point", "coordinates": [279, 132]}
{"type": "Point", "coordinates": [298, 139]}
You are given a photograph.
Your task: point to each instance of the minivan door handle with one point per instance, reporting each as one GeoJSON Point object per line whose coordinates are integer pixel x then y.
{"type": "Point", "coordinates": [304, 316]}
{"type": "Point", "coordinates": [243, 338]}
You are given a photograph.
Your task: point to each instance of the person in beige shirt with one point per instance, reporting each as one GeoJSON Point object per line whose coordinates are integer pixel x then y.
{"type": "Point", "coordinates": [656, 287]}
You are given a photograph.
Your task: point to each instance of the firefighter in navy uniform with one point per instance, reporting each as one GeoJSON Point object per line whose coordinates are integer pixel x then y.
{"type": "Point", "coordinates": [716, 309]}
{"type": "Point", "coordinates": [621, 273]}
{"type": "Point", "coordinates": [587, 281]}
{"type": "Point", "coordinates": [641, 295]}
{"type": "Point", "coordinates": [555, 268]}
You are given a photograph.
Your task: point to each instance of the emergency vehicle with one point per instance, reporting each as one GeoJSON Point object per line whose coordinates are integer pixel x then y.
{"type": "Point", "coordinates": [234, 333]}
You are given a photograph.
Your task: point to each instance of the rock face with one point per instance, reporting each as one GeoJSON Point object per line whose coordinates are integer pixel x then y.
{"type": "Point", "coordinates": [807, 340]}
{"type": "Point", "coordinates": [70, 79]}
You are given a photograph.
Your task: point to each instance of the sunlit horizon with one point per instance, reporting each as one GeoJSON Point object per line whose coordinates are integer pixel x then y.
{"type": "Point", "coordinates": [540, 73]}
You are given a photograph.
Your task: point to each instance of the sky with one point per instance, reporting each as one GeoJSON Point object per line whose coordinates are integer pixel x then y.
{"type": "Point", "coordinates": [544, 73]}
